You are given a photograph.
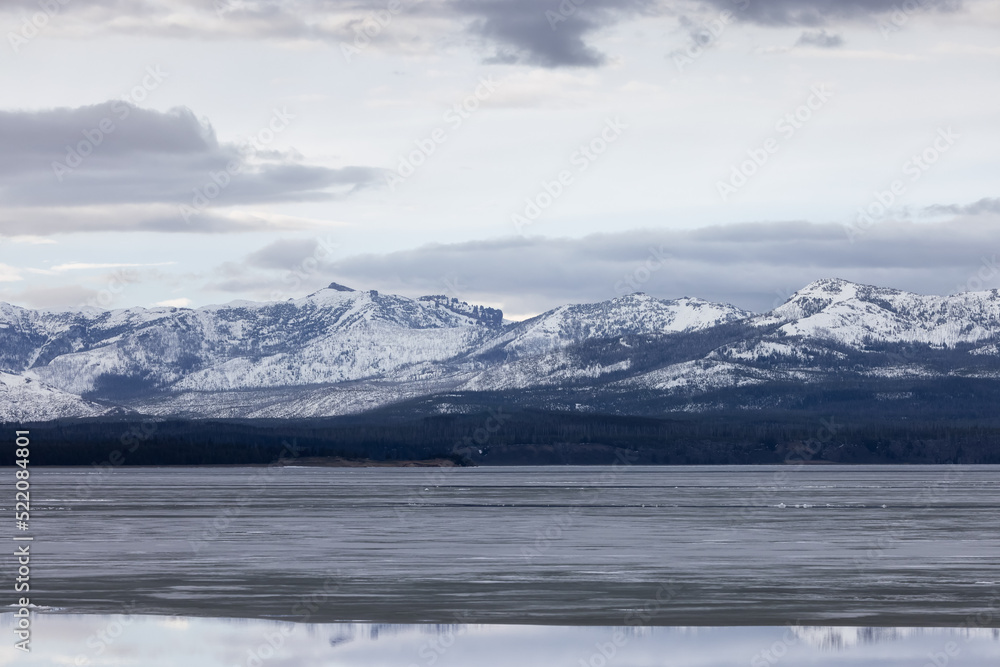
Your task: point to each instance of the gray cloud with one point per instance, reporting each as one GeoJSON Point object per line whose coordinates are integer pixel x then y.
{"type": "Point", "coordinates": [519, 30]}
{"type": "Point", "coordinates": [820, 38]}
{"type": "Point", "coordinates": [45, 221]}
{"type": "Point", "coordinates": [986, 205]}
{"type": "Point", "coordinates": [283, 254]}
{"type": "Point", "coordinates": [55, 298]}
{"type": "Point", "coordinates": [115, 153]}
{"type": "Point", "coordinates": [284, 268]}
{"type": "Point", "coordinates": [814, 13]}
{"type": "Point", "coordinates": [550, 34]}
{"type": "Point", "coordinates": [754, 266]}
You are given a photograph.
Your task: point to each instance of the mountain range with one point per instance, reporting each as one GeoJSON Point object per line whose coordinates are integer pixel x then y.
{"type": "Point", "coordinates": [340, 351]}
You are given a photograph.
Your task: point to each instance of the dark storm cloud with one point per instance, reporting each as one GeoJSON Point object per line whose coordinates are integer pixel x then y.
{"type": "Point", "coordinates": [118, 154]}
{"type": "Point", "coordinates": [755, 266]}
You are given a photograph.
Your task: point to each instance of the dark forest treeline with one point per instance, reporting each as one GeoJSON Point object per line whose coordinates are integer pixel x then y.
{"type": "Point", "coordinates": [515, 438]}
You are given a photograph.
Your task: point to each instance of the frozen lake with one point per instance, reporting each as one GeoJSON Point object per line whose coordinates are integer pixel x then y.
{"type": "Point", "coordinates": [681, 546]}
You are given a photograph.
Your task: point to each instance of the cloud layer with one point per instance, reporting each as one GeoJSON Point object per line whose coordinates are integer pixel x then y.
{"type": "Point", "coordinates": [814, 13]}
{"type": "Point", "coordinates": [549, 33]}
{"type": "Point", "coordinates": [125, 167]}
{"type": "Point", "coordinates": [754, 266]}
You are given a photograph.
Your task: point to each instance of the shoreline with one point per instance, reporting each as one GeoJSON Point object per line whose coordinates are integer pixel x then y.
{"type": "Point", "coordinates": [341, 462]}
{"type": "Point", "coordinates": [956, 620]}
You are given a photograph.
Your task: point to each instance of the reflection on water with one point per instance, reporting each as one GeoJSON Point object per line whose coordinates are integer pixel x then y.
{"type": "Point", "coordinates": [160, 641]}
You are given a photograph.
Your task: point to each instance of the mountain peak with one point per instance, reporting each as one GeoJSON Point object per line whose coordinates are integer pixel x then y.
{"type": "Point", "coordinates": [340, 288]}
{"type": "Point", "coordinates": [818, 295]}
{"type": "Point", "coordinates": [828, 286]}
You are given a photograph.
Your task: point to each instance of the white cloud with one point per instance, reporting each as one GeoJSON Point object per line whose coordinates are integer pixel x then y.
{"type": "Point", "coordinates": [59, 297]}
{"type": "Point", "coordinates": [183, 302]}
{"type": "Point", "coordinates": [9, 274]}
{"type": "Point", "coordinates": [29, 239]}
{"type": "Point", "coordinates": [84, 266]}
{"type": "Point", "coordinates": [165, 218]}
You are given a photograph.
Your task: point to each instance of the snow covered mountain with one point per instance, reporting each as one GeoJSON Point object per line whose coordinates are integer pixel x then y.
{"type": "Point", "coordinates": [331, 336]}
{"type": "Point", "coordinates": [24, 398]}
{"type": "Point", "coordinates": [635, 314]}
{"type": "Point", "coordinates": [840, 333]}
{"type": "Point", "coordinates": [544, 350]}
{"type": "Point", "coordinates": [855, 315]}
{"type": "Point", "coordinates": [340, 351]}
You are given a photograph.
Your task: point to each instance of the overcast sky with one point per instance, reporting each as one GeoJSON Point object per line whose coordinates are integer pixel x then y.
{"type": "Point", "coordinates": [516, 153]}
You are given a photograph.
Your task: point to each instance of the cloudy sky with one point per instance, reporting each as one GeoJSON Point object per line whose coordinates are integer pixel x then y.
{"type": "Point", "coordinates": [516, 153]}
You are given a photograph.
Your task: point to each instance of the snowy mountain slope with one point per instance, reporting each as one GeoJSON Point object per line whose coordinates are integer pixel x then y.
{"type": "Point", "coordinates": [340, 351]}
{"type": "Point", "coordinates": [545, 350]}
{"type": "Point", "coordinates": [549, 369]}
{"type": "Point", "coordinates": [635, 314]}
{"type": "Point", "coordinates": [704, 375]}
{"type": "Point", "coordinates": [330, 336]}
{"type": "Point", "coordinates": [854, 315]}
{"type": "Point", "coordinates": [23, 398]}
